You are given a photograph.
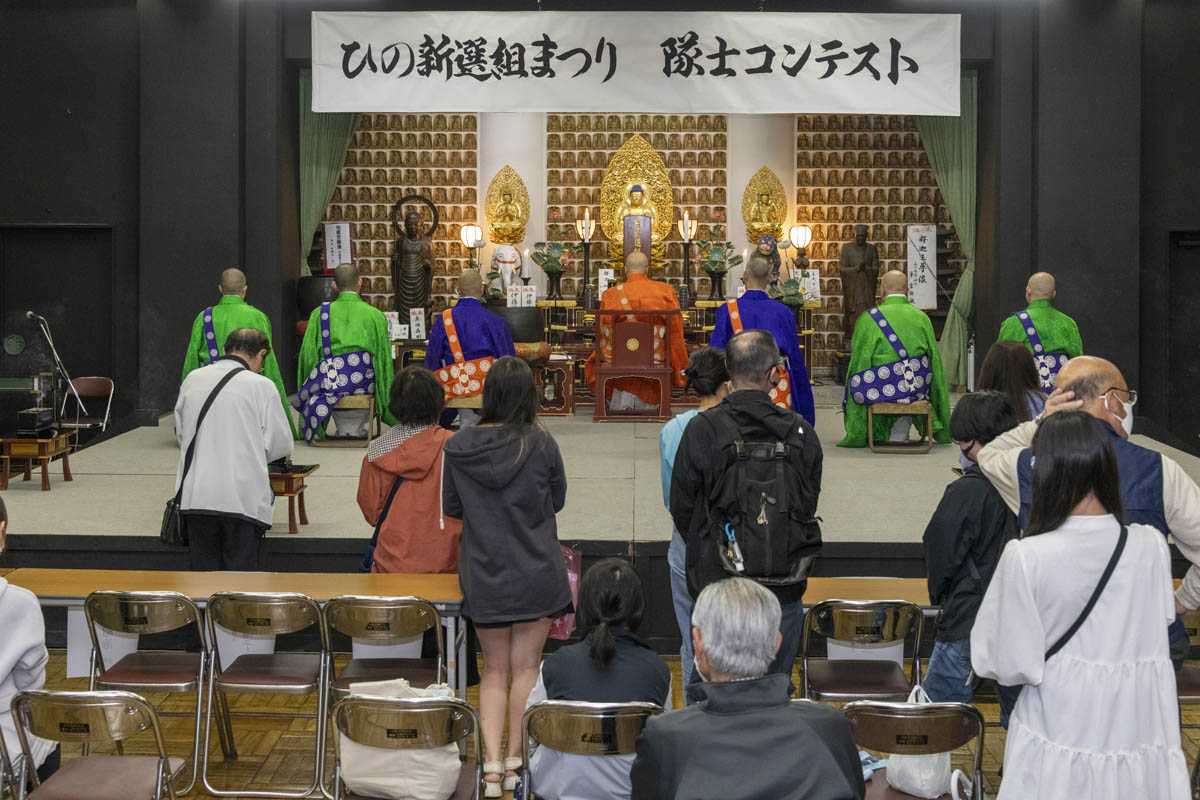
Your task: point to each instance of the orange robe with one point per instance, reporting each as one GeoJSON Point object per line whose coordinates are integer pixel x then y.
{"type": "Point", "coordinates": [643, 293]}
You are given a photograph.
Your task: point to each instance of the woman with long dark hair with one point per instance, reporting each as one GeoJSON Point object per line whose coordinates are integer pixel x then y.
{"type": "Point", "coordinates": [610, 665]}
{"type": "Point", "coordinates": [504, 479]}
{"type": "Point", "coordinates": [1098, 716]}
{"type": "Point", "coordinates": [1009, 368]}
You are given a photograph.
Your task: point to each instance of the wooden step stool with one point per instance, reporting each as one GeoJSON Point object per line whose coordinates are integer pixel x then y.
{"type": "Point", "coordinates": [920, 408]}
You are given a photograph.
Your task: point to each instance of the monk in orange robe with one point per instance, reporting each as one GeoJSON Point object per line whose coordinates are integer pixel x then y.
{"type": "Point", "coordinates": [639, 292]}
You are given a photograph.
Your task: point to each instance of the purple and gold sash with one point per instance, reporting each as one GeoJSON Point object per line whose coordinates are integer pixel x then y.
{"type": "Point", "coordinates": [210, 336]}
{"type": "Point", "coordinates": [903, 381]}
{"type": "Point", "coordinates": [334, 378]}
{"type": "Point", "coordinates": [1048, 364]}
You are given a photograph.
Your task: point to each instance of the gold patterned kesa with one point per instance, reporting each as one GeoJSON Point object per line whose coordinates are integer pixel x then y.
{"type": "Point", "coordinates": [764, 206]}
{"type": "Point", "coordinates": [636, 163]}
{"type": "Point", "coordinates": [507, 207]}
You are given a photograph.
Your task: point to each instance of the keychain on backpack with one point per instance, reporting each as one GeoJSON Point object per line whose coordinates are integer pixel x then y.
{"type": "Point", "coordinates": [733, 552]}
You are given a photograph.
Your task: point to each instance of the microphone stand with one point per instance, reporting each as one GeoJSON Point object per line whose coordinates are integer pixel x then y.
{"type": "Point", "coordinates": [62, 368]}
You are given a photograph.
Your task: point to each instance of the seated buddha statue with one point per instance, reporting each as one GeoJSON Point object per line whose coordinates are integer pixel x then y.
{"type": "Point", "coordinates": [507, 227]}
{"type": "Point", "coordinates": [766, 219]}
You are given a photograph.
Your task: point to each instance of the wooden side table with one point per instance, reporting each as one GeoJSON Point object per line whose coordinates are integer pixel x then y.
{"type": "Point", "coordinates": [40, 450]}
{"type": "Point", "coordinates": [291, 485]}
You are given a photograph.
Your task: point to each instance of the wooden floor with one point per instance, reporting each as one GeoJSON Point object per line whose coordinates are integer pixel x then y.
{"type": "Point", "coordinates": [275, 754]}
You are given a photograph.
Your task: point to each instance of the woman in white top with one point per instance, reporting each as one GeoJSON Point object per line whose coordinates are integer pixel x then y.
{"type": "Point", "coordinates": [1098, 718]}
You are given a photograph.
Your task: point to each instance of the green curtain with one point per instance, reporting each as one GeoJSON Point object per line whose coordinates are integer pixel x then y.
{"type": "Point", "coordinates": [951, 145]}
{"type": "Point", "coordinates": [323, 142]}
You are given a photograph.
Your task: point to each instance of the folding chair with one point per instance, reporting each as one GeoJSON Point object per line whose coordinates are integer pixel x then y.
{"type": "Point", "coordinates": [385, 620]}
{"type": "Point", "coordinates": [409, 723]}
{"type": "Point", "coordinates": [270, 673]}
{"type": "Point", "coordinates": [12, 779]}
{"type": "Point", "coordinates": [97, 390]}
{"type": "Point", "coordinates": [148, 670]}
{"type": "Point", "coordinates": [1187, 687]}
{"type": "Point", "coordinates": [915, 730]}
{"type": "Point", "coordinates": [878, 622]}
{"type": "Point", "coordinates": [585, 729]}
{"type": "Point", "coordinates": [95, 718]}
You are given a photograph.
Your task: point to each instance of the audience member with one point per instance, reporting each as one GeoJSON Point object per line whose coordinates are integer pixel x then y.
{"type": "Point", "coordinates": [227, 501]}
{"type": "Point", "coordinates": [744, 737]}
{"type": "Point", "coordinates": [719, 500]}
{"type": "Point", "coordinates": [23, 658]}
{"type": "Point", "coordinates": [1049, 335]}
{"type": "Point", "coordinates": [706, 376]}
{"type": "Point", "coordinates": [407, 461]}
{"type": "Point", "coordinates": [214, 324]}
{"type": "Point", "coordinates": [467, 332]}
{"type": "Point", "coordinates": [962, 545]}
{"type": "Point", "coordinates": [1098, 716]}
{"type": "Point", "coordinates": [610, 665]}
{"type": "Point", "coordinates": [504, 479]}
{"type": "Point", "coordinates": [755, 310]}
{"type": "Point", "coordinates": [1008, 367]}
{"type": "Point", "coordinates": [1154, 489]}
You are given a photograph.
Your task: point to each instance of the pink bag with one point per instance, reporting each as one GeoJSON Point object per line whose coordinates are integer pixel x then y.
{"type": "Point", "coordinates": [562, 627]}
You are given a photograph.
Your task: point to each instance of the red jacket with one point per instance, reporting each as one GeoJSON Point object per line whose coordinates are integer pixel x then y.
{"type": "Point", "coordinates": [415, 537]}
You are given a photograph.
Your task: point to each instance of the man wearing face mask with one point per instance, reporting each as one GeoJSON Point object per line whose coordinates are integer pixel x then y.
{"type": "Point", "coordinates": [1154, 489]}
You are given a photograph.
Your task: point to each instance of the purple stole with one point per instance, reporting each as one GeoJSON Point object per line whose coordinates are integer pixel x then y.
{"type": "Point", "coordinates": [210, 336]}
{"type": "Point", "coordinates": [903, 381]}
{"type": "Point", "coordinates": [1048, 364]}
{"type": "Point", "coordinates": [331, 380]}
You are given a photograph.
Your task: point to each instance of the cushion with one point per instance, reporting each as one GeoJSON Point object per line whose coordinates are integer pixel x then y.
{"type": "Point", "coordinates": [879, 789]}
{"type": "Point", "coordinates": [105, 778]}
{"type": "Point", "coordinates": [145, 668]}
{"type": "Point", "coordinates": [419, 672]}
{"type": "Point", "coordinates": [858, 678]}
{"type": "Point", "coordinates": [272, 670]}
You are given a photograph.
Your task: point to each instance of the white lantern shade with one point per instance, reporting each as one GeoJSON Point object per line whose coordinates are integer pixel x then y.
{"type": "Point", "coordinates": [471, 235]}
{"type": "Point", "coordinates": [800, 235]}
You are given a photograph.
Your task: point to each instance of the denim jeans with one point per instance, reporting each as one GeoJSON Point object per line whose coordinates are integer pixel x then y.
{"type": "Point", "coordinates": [677, 560]}
{"type": "Point", "coordinates": [946, 677]}
{"type": "Point", "coordinates": [791, 626]}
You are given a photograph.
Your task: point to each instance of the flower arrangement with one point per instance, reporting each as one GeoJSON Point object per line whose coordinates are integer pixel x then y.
{"type": "Point", "coordinates": [788, 292]}
{"type": "Point", "coordinates": [554, 257]}
{"type": "Point", "coordinates": [717, 255]}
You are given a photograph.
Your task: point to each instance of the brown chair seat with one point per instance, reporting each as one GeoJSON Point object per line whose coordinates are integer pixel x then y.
{"type": "Point", "coordinates": [286, 672]}
{"type": "Point", "coordinates": [419, 672]}
{"type": "Point", "coordinates": [878, 789]}
{"type": "Point", "coordinates": [858, 678]}
{"type": "Point", "coordinates": [465, 790]}
{"type": "Point", "coordinates": [1187, 682]}
{"type": "Point", "coordinates": [148, 668]}
{"type": "Point", "coordinates": [105, 778]}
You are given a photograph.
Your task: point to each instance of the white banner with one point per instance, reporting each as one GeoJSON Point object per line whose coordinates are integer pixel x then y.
{"type": "Point", "coordinates": [666, 62]}
{"type": "Point", "coordinates": [922, 266]}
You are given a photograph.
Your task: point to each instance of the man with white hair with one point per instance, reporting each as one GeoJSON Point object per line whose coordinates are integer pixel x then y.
{"type": "Point", "coordinates": [744, 737]}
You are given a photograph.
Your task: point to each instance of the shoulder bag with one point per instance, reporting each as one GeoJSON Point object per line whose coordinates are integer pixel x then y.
{"type": "Point", "coordinates": [368, 559]}
{"type": "Point", "coordinates": [173, 531]}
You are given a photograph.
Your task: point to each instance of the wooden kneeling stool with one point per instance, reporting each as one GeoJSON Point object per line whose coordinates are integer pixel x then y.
{"type": "Point", "coordinates": [920, 408]}
{"type": "Point", "coordinates": [374, 424]}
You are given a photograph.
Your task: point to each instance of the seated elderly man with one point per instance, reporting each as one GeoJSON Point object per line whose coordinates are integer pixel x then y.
{"type": "Point", "coordinates": [744, 737]}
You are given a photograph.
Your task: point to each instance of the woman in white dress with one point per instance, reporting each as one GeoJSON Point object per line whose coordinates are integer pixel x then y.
{"type": "Point", "coordinates": [1098, 718]}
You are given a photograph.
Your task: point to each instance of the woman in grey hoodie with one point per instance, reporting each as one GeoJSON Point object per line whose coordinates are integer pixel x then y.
{"type": "Point", "coordinates": [504, 479]}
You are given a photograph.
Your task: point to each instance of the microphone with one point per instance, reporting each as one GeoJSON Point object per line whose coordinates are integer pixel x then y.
{"type": "Point", "coordinates": [31, 315]}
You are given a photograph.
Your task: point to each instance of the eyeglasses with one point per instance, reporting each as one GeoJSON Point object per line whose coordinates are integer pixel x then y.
{"type": "Point", "coordinates": [1133, 395]}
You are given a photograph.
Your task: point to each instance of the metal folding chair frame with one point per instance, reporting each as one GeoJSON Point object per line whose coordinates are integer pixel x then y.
{"type": "Point", "coordinates": [872, 633]}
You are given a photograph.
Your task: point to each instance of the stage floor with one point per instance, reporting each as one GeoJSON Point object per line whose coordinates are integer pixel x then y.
{"type": "Point", "coordinates": [613, 493]}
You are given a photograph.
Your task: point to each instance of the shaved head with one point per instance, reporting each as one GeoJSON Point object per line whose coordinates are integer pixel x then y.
{"type": "Point", "coordinates": [346, 278]}
{"type": "Point", "coordinates": [895, 282]}
{"type": "Point", "coordinates": [1100, 386]}
{"type": "Point", "coordinates": [636, 263]}
{"type": "Point", "coordinates": [470, 284]}
{"type": "Point", "coordinates": [1040, 287]}
{"type": "Point", "coordinates": [758, 273]}
{"type": "Point", "coordinates": [233, 281]}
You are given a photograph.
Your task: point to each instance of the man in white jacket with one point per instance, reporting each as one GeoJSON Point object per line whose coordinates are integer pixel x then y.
{"type": "Point", "coordinates": [227, 500]}
{"type": "Point", "coordinates": [23, 660]}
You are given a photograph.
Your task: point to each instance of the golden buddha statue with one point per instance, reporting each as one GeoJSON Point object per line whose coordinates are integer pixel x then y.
{"type": "Point", "coordinates": [506, 207]}
{"type": "Point", "coordinates": [635, 204]}
{"type": "Point", "coordinates": [764, 204]}
{"type": "Point", "coordinates": [508, 221]}
{"type": "Point", "coordinates": [766, 218]}
{"type": "Point", "coordinates": [636, 218]}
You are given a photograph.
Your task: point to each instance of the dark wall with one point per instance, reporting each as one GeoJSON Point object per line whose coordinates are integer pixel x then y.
{"type": "Point", "coordinates": [70, 158]}
{"type": "Point", "coordinates": [1170, 175]}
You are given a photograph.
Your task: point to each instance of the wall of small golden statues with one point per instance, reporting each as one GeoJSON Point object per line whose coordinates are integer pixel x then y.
{"type": "Point", "coordinates": [393, 155]}
{"type": "Point", "coordinates": [859, 169]}
{"type": "Point", "coordinates": [578, 149]}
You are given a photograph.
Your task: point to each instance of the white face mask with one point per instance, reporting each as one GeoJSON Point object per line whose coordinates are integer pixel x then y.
{"type": "Point", "coordinates": [1127, 421]}
{"type": "Point", "coordinates": [696, 666]}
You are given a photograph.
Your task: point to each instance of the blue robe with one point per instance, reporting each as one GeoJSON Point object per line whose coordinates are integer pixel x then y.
{"type": "Point", "coordinates": [480, 333]}
{"type": "Point", "coordinates": [760, 312]}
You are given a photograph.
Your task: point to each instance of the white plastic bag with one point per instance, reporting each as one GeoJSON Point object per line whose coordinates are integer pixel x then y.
{"type": "Point", "coordinates": [920, 776]}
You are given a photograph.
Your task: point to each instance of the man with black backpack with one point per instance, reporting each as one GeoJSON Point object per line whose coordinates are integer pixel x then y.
{"type": "Point", "coordinates": [745, 486]}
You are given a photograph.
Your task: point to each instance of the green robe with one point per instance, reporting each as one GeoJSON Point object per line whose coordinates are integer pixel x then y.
{"type": "Point", "coordinates": [233, 313]}
{"type": "Point", "coordinates": [870, 348]}
{"type": "Point", "coordinates": [353, 325]}
{"type": "Point", "coordinates": [1058, 332]}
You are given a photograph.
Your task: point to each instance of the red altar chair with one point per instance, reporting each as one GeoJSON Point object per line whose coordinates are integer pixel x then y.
{"type": "Point", "coordinates": [634, 335]}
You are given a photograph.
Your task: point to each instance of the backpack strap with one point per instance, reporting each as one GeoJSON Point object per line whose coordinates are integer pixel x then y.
{"type": "Point", "coordinates": [386, 508]}
{"type": "Point", "coordinates": [1091, 603]}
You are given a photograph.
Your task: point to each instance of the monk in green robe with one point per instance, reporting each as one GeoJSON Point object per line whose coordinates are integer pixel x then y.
{"type": "Point", "coordinates": [214, 324]}
{"type": "Point", "coordinates": [894, 331]}
{"type": "Point", "coordinates": [332, 363]}
{"type": "Point", "coordinates": [1057, 331]}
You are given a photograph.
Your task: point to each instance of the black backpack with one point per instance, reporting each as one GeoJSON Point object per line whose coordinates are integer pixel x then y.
{"type": "Point", "coordinates": [760, 507]}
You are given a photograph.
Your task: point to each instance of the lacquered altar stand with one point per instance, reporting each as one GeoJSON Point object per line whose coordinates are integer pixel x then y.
{"type": "Point", "coordinates": [41, 450]}
{"type": "Point", "coordinates": [554, 379]}
{"type": "Point", "coordinates": [291, 484]}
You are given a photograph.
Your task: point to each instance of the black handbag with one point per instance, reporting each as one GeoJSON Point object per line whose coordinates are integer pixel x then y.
{"type": "Point", "coordinates": [173, 531]}
{"type": "Point", "coordinates": [368, 559]}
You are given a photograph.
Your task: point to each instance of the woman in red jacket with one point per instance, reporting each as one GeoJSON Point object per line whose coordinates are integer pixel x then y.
{"type": "Point", "coordinates": [416, 537]}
